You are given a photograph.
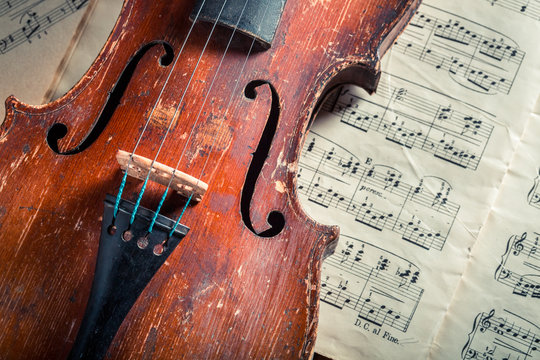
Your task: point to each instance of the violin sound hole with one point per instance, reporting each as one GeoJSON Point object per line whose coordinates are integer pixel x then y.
{"type": "Point", "coordinates": [59, 130]}
{"type": "Point", "coordinates": [56, 132]}
{"type": "Point", "coordinates": [275, 219]}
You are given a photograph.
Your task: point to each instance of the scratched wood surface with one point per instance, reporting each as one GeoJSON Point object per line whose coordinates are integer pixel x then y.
{"type": "Point", "coordinates": [224, 292]}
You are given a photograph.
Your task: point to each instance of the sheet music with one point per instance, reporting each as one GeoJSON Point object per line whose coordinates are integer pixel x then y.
{"type": "Point", "coordinates": [495, 311]}
{"type": "Point", "coordinates": [520, 265]}
{"type": "Point", "coordinates": [534, 194]}
{"type": "Point", "coordinates": [30, 21]}
{"type": "Point", "coordinates": [35, 35]}
{"type": "Point", "coordinates": [529, 8]}
{"type": "Point", "coordinates": [411, 174]}
{"type": "Point", "coordinates": [381, 276]}
{"type": "Point", "coordinates": [475, 56]}
{"type": "Point", "coordinates": [507, 337]}
{"type": "Point", "coordinates": [376, 195]}
{"type": "Point", "coordinates": [453, 134]}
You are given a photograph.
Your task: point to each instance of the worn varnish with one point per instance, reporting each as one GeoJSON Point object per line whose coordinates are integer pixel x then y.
{"type": "Point", "coordinates": [224, 292]}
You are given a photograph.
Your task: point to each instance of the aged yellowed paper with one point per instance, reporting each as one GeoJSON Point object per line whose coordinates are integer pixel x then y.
{"type": "Point", "coordinates": [411, 173]}
{"type": "Point", "coordinates": [34, 36]}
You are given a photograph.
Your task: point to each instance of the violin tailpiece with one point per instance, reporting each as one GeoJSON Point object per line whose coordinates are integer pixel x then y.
{"type": "Point", "coordinates": [184, 184]}
{"type": "Point", "coordinates": [125, 265]}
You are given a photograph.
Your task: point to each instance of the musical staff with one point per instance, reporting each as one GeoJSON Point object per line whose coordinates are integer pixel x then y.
{"type": "Point", "coordinates": [502, 338]}
{"type": "Point", "coordinates": [9, 5]}
{"type": "Point", "coordinates": [376, 195]}
{"type": "Point", "coordinates": [478, 58]}
{"type": "Point", "coordinates": [32, 22]}
{"type": "Point", "coordinates": [533, 197]}
{"type": "Point", "coordinates": [416, 118]}
{"type": "Point", "coordinates": [380, 287]}
{"type": "Point", "coordinates": [530, 8]}
{"type": "Point", "coordinates": [520, 265]}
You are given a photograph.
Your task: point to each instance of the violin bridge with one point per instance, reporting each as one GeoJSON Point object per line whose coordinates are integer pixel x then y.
{"type": "Point", "coordinates": [184, 184]}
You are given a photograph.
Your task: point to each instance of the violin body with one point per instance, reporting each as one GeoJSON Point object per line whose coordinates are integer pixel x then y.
{"type": "Point", "coordinates": [230, 288]}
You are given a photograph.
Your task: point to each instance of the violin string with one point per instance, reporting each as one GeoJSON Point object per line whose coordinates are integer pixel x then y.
{"type": "Point", "coordinates": [221, 123]}
{"type": "Point", "coordinates": [141, 192]}
{"type": "Point", "coordinates": [150, 228]}
{"type": "Point", "coordinates": [130, 159]}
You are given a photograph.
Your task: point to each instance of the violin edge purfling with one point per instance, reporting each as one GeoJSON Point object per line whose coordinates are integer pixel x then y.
{"type": "Point", "coordinates": [225, 291]}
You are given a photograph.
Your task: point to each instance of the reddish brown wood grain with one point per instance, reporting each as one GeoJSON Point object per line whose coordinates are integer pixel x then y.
{"type": "Point", "coordinates": [224, 292]}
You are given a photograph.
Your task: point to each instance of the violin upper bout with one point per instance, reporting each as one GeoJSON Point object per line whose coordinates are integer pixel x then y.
{"type": "Point", "coordinates": [389, 21]}
{"type": "Point", "coordinates": [381, 22]}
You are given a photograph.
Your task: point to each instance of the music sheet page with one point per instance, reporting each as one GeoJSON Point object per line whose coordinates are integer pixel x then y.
{"type": "Point", "coordinates": [34, 38]}
{"type": "Point", "coordinates": [411, 174]}
{"type": "Point", "coordinates": [494, 314]}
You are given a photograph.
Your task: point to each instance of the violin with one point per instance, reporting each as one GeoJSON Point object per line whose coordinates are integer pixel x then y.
{"type": "Point", "coordinates": [152, 211]}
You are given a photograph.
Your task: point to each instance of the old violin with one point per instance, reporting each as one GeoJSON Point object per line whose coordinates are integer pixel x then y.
{"type": "Point", "coordinates": [151, 212]}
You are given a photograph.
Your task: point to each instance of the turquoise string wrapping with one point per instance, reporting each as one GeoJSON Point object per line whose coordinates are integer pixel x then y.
{"type": "Point", "coordinates": [180, 217]}
{"type": "Point", "coordinates": [151, 227]}
{"type": "Point", "coordinates": [139, 199]}
{"type": "Point", "coordinates": [119, 196]}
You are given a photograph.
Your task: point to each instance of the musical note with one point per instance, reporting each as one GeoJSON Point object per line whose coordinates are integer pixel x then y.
{"type": "Point", "coordinates": [402, 113]}
{"type": "Point", "coordinates": [533, 197]}
{"type": "Point", "coordinates": [520, 265]}
{"type": "Point", "coordinates": [378, 286]}
{"type": "Point", "coordinates": [31, 26]}
{"type": "Point", "coordinates": [525, 7]}
{"type": "Point", "coordinates": [376, 195]}
{"type": "Point", "coordinates": [476, 57]}
{"type": "Point", "coordinates": [511, 337]}
{"type": "Point", "coordinates": [31, 22]}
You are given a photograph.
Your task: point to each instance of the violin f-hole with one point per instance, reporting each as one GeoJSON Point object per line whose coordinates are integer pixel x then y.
{"type": "Point", "coordinates": [58, 131]}
{"type": "Point", "coordinates": [275, 219]}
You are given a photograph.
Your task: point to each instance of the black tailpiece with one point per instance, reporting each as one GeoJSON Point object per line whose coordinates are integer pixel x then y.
{"type": "Point", "coordinates": [126, 263]}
